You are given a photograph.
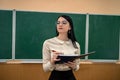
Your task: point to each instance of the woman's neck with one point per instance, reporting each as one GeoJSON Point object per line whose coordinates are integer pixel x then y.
{"type": "Point", "coordinates": [63, 37]}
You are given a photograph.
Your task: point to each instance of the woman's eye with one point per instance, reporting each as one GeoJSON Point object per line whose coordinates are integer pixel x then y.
{"type": "Point", "coordinates": [58, 22]}
{"type": "Point", "coordinates": [64, 22]}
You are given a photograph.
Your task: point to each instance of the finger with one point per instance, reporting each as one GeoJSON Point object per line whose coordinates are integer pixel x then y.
{"type": "Point", "coordinates": [56, 59]}
{"type": "Point", "coordinates": [69, 65]}
{"type": "Point", "coordinates": [53, 51]}
{"type": "Point", "coordinates": [69, 62]}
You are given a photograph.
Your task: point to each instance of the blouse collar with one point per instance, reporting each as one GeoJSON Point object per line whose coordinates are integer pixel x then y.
{"type": "Point", "coordinates": [62, 42]}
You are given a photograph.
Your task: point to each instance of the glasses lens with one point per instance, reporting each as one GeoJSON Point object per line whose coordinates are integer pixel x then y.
{"type": "Point", "coordinates": [63, 22]}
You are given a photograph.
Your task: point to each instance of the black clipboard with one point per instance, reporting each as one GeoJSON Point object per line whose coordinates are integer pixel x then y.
{"type": "Point", "coordinates": [66, 58]}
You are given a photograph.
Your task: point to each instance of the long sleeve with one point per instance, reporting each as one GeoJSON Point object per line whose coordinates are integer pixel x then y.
{"type": "Point", "coordinates": [78, 60]}
{"type": "Point", "coordinates": [47, 66]}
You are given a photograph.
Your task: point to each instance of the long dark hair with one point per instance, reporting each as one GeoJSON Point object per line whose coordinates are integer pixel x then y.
{"type": "Point", "coordinates": [71, 34]}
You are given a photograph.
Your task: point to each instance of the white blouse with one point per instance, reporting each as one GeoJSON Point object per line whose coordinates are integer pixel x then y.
{"type": "Point", "coordinates": [65, 47]}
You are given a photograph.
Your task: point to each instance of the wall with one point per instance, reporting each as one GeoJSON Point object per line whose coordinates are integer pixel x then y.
{"type": "Point", "coordinates": [96, 71]}
{"type": "Point", "coordinates": [76, 6]}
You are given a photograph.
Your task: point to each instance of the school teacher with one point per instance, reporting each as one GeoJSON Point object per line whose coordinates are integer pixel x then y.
{"type": "Point", "coordinates": [64, 42]}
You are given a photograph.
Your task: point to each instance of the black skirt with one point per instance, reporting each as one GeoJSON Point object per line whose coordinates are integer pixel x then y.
{"type": "Point", "coordinates": [62, 75]}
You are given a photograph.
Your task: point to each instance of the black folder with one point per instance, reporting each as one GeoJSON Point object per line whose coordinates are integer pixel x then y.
{"type": "Point", "coordinates": [66, 58]}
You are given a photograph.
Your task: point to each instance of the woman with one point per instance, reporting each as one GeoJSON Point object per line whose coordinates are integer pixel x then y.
{"type": "Point", "coordinates": [65, 43]}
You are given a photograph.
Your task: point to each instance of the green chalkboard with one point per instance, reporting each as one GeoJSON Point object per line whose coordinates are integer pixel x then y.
{"type": "Point", "coordinates": [104, 36]}
{"type": "Point", "coordinates": [32, 28]}
{"type": "Point", "coordinates": [5, 34]}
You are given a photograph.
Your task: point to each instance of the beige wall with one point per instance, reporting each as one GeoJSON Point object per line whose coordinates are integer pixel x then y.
{"type": "Point", "coordinates": [69, 6]}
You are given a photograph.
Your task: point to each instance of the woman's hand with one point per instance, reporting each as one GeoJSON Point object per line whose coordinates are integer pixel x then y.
{"type": "Point", "coordinates": [71, 65]}
{"type": "Point", "coordinates": [54, 57]}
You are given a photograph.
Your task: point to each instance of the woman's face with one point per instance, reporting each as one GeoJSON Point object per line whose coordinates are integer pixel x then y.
{"type": "Point", "coordinates": [62, 25]}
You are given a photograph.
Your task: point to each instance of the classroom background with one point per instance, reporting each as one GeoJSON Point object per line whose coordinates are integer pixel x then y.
{"type": "Point", "coordinates": [21, 39]}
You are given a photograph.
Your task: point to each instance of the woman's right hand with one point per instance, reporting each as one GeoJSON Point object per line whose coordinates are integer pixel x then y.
{"type": "Point", "coordinates": [54, 57]}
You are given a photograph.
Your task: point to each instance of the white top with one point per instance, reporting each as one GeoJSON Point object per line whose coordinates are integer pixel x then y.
{"type": "Point", "coordinates": [65, 47]}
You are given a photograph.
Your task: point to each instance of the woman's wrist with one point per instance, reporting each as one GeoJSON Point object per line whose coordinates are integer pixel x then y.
{"type": "Point", "coordinates": [73, 68]}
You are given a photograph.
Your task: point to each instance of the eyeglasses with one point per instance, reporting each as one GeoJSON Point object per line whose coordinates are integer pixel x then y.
{"type": "Point", "coordinates": [63, 22]}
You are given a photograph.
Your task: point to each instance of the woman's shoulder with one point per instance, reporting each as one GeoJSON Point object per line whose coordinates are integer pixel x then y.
{"type": "Point", "coordinates": [77, 43]}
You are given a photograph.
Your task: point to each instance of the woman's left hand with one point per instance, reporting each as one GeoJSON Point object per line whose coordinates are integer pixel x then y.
{"type": "Point", "coordinates": [71, 65]}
